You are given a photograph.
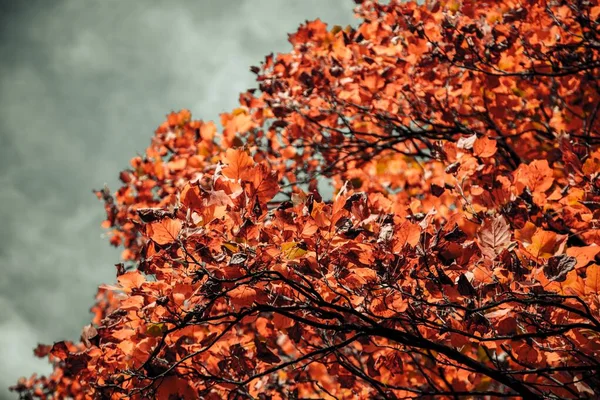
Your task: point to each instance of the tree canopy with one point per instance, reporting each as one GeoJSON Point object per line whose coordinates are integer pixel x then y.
{"type": "Point", "coordinates": [458, 256]}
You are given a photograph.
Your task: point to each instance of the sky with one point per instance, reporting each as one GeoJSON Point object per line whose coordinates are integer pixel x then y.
{"type": "Point", "coordinates": [83, 85]}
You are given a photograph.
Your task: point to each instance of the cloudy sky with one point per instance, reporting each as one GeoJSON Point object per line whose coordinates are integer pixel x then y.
{"type": "Point", "coordinates": [83, 84]}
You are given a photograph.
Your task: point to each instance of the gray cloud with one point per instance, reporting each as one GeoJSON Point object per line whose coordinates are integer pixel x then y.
{"type": "Point", "coordinates": [83, 84]}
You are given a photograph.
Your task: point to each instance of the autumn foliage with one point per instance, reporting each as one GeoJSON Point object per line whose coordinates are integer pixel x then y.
{"type": "Point", "coordinates": [458, 256]}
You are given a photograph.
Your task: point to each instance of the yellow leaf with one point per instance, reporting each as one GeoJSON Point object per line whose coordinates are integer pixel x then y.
{"type": "Point", "coordinates": [453, 6]}
{"type": "Point", "coordinates": [156, 329]}
{"type": "Point", "coordinates": [482, 354]}
{"type": "Point", "coordinates": [293, 250]}
{"type": "Point", "coordinates": [239, 111]}
{"type": "Point", "coordinates": [518, 92]}
{"type": "Point", "coordinates": [234, 248]}
{"type": "Point", "coordinates": [336, 29]}
{"type": "Point", "coordinates": [545, 244]}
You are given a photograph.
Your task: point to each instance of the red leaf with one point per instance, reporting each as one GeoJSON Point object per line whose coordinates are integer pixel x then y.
{"type": "Point", "coordinates": [60, 350]}
{"type": "Point", "coordinates": [242, 296]}
{"type": "Point", "coordinates": [264, 183]}
{"type": "Point", "coordinates": [42, 350]}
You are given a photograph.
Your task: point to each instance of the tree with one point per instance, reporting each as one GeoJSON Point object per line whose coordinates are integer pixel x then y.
{"type": "Point", "coordinates": [458, 257]}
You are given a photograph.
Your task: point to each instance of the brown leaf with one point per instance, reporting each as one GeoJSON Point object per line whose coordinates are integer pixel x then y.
{"type": "Point", "coordinates": [89, 336]}
{"type": "Point", "coordinates": [76, 362]}
{"type": "Point", "coordinates": [466, 142]}
{"type": "Point", "coordinates": [148, 215]}
{"type": "Point", "coordinates": [437, 190]}
{"type": "Point", "coordinates": [42, 350]}
{"type": "Point", "coordinates": [238, 259]}
{"type": "Point", "coordinates": [264, 353]}
{"type": "Point", "coordinates": [494, 236]}
{"type": "Point", "coordinates": [385, 233]}
{"type": "Point", "coordinates": [465, 287]}
{"type": "Point", "coordinates": [558, 267]}
{"type": "Point", "coordinates": [60, 350]}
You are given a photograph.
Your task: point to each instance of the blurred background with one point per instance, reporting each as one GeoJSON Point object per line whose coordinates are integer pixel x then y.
{"type": "Point", "coordinates": [83, 85]}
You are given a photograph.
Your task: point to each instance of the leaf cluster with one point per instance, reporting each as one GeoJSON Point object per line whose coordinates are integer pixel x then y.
{"type": "Point", "coordinates": [458, 258]}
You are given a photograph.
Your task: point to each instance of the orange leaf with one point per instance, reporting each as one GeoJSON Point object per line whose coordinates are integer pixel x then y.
{"type": "Point", "coordinates": [132, 303]}
{"type": "Point", "coordinates": [583, 255]}
{"type": "Point", "coordinates": [175, 387]}
{"type": "Point", "coordinates": [574, 284]}
{"type": "Point", "coordinates": [309, 229]}
{"type": "Point", "coordinates": [526, 353]}
{"type": "Point", "coordinates": [190, 197]}
{"type": "Point", "coordinates": [537, 176]}
{"type": "Point", "coordinates": [208, 131]}
{"type": "Point", "coordinates": [131, 280]}
{"type": "Point", "coordinates": [360, 276]}
{"type": "Point", "coordinates": [219, 198]}
{"type": "Point", "coordinates": [484, 147]}
{"type": "Point", "coordinates": [592, 279]}
{"type": "Point", "coordinates": [242, 296]}
{"type": "Point", "coordinates": [165, 231]}
{"type": "Point", "coordinates": [264, 183]}
{"type": "Point", "coordinates": [546, 244]}
{"type": "Point", "coordinates": [407, 234]}
{"type": "Point", "coordinates": [238, 164]}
